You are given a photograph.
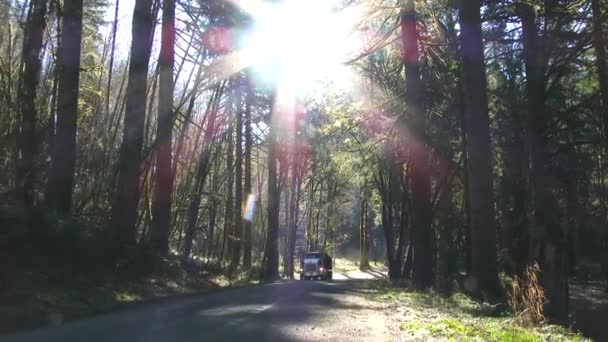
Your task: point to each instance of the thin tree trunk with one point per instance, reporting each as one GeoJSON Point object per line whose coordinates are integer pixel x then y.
{"type": "Point", "coordinates": [111, 62]}
{"type": "Point", "coordinates": [238, 181]}
{"type": "Point", "coordinates": [403, 222]}
{"type": "Point", "coordinates": [292, 219]}
{"type": "Point", "coordinates": [248, 188]}
{"type": "Point", "coordinates": [363, 235]}
{"type": "Point", "coordinates": [229, 213]}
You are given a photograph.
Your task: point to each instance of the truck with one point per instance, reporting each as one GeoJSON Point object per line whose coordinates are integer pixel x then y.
{"type": "Point", "coordinates": [316, 265]}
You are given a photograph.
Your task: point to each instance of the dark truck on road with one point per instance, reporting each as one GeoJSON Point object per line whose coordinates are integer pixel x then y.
{"type": "Point", "coordinates": [315, 265]}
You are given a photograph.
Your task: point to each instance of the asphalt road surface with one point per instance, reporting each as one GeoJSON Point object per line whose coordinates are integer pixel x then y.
{"type": "Point", "coordinates": [335, 310]}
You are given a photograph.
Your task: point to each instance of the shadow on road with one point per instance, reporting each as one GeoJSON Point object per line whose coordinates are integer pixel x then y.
{"type": "Point", "coordinates": [269, 312]}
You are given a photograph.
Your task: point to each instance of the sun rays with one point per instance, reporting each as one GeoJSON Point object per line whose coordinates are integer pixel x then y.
{"type": "Point", "coordinates": [290, 44]}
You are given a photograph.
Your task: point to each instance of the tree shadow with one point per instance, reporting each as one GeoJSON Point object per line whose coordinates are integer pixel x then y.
{"type": "Point", "coordinates": [268, 312]}
{"type": "Point", "coordinates": [376, 274]}
{"type": "Point", "coordinates": [589, 306]}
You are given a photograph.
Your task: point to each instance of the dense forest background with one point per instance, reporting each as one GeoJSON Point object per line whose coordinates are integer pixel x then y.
{"type": "Point", "coordinates": [475, 144]}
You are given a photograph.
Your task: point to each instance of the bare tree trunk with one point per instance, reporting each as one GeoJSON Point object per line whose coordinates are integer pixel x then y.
{"type": "Point", "coordinates": [211, 246]}
{"type": "Point", "coordinates": [600, 60]}
{"type": "Point", "coordinates": [484, 268]}
{"type": "Point", "coordinates": [271, 253]}
{"type": "Point", "coordinates": [229, 213]}
{"type": "Point", "coordinates": [61, 178]}
{"type": "Point", "coordinates": [363, 234]}
{"type": "Point", "coordinates": [248, 188]}
{"type": "Point", "coordinates": [420, 182]}
{"type": "Point", "coordinates": [27, 139]}
{"type": "Point", "coordinates": [238, 181]}
{"type": "Point", "coordinates": [126, 194]}
{"type": "Point", "coordinates": [602, 72]}
{"type": "Point", "coordinates": [547, 239]}
{"type": "Point", "coordinates": [292, 219]}
{"type": "Point", "coordinates": [163, 189]}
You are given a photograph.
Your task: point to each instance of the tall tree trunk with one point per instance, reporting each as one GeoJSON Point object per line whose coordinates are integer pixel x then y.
{"type": "Point", "coordinates": [484, 270]}
{"type": "Point", "coordinates": [61, 178]}
{"type": "Point", "coordinates": [271, 254]}
{"type": "Point", "coordinates": [600, 60]}
{"type": "Point", "coordinates": [247, 225]}
{"type": "Point", "coordinates": [229, 213]}
{"type": "Point", "coordinates": [292, 219]}
{"type": "Point", "coordinates": [363, 235]}
{"type": "Point", "coordinates": [27, 139]}
{"type": "Point", "coordinates": [126, 194]}
{"type": "Point", "coordinates": [602, 72]}
{"type": "Point", "coordinates": [213, 207]}
{"type": "Point", "coordinates": [466, 191]}
{"type": "Point", "coordinates": [547, 239]}
{"type": "Point", "coordinates": [163, 188]}
{"type": "Point", "coordinates": [422, 267]}
{"type": "Point", "coordinates": [238, 182]}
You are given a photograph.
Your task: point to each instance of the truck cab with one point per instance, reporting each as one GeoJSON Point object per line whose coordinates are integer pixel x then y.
{"type": "Point", "coordinates": [315, 265]}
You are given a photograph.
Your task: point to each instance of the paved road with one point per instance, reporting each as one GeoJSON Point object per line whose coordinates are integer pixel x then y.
{"type": "Point", "coordinates": [283, 311]}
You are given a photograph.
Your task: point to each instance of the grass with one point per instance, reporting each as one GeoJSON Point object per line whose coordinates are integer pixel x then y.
{"type": "Point", "coordinates": [428, 316]}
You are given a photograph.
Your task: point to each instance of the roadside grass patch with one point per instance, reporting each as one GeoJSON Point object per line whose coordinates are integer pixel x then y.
{"type": "Point", "coordinates": [429, 316]}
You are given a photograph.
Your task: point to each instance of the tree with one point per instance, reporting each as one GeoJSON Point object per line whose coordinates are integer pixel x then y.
{"type": "Point", "coordinates": [484, 269]}
{"type": "Point", "coordinates": [602, 73]}
{"type": "Point", "coordinates": [420, 182]}
{"type": "Point", "coordinates": [61, 178]}
{"type": "Point", "coordinates": [27, 138]}
{"type": "Point", "coordinates": [247, 224]}
{"type": "Point", "coordinates": [238, 181]}
{"type": "Point", "coordinates": [363, 232]}
{"type": "Point", "coordinates": [163, 188]}
{"type": "Point", "coordinates": [600, 60]}
{"type": "Point", "coordinates": [126, 194]}
{"type": "Point", "coordinates": [547, 239]}
{"type": "Point", "coordinates": [270, 270]}
{"type": "Point", "coordinates": [229, 193]}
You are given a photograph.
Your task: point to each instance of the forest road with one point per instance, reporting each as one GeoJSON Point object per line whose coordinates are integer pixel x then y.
{"type": "Point", "coordinates": [337, 310]}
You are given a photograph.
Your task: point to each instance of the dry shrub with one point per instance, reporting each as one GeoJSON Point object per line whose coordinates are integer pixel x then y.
{"type": "Point", "coordinates": [527, 297]}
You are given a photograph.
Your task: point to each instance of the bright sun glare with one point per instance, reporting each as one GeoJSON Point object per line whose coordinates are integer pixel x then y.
{"type": "Point", "coordinates": [296, 43]}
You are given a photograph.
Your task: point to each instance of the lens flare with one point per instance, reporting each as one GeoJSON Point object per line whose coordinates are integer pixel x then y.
{"type": "Point", "coordinates": [249, 210]}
